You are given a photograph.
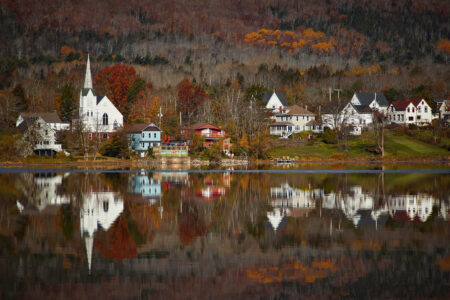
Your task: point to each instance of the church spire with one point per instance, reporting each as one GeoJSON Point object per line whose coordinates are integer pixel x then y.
{"type": "Point", "coordinates": [88, 78]}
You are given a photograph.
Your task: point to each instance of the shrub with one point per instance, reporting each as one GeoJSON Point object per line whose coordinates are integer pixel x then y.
{"type": "Point", "coordinates": [329, 136]}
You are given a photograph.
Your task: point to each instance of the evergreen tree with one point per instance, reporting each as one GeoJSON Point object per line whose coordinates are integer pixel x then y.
{"type": "Point", "coordinates": [67, 102]}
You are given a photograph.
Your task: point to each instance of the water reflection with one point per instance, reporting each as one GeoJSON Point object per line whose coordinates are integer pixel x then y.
{"type": "Point", "coordinates": [180, 225]}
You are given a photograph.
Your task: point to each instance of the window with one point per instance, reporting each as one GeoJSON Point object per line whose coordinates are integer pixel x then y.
{"type": "Point", "coordinates": [105, 135]}
{"type": "Point", "coordinates": [105, 206]}
{"type": "Point", "coordinates": [116, 124]}
{"type": "Point", "coordinates": [92, 113]}
{"type": "Point", "coordinates": [411, 118]}
{"type": "Point", "coordinates": [87, 113]}
{"type": "Point", "coordinates": [142, 145]}
{"type": "Point", "coordinates": [418, 109]}
{"type": "Point", "coordinates": [408, 109]}
{"type": "Point", "coordinates": [105, 119]}
{"type": "Point", "coordinates": [46, 132]}
{"type": "Point", "coordinates": [425, 109]}
{"type": "Point", "coordinates": [413, 110]}
{"type": "Point", "coordinates": [143, 135]}
{"type": "Point", "coordinates": [154, 135]}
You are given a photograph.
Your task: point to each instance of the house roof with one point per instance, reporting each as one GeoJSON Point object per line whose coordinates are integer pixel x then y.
{"type": "Point", "coordinates": [402, 104]}
{"type": "Point", "coordinates": [367, 98]}
{"type": "Point", "coordinates": [198, 126]}
{"type": "Point", "coordinates": [334, 107]}
{"type": "Point", "coordinates": [49, 117]}
{"type": "Point", "coordinates": [142, 127]}
{"type": "Point", "coordinates": [363, 109]}
{"type": "Point", "coordinates": [297, 110]}
{"type": "Point", "coordinates": [281, 123]}
{"type": "Point", "coordinates": [314, 122]}
{"type": "Point", "coordinates": [280, 96]}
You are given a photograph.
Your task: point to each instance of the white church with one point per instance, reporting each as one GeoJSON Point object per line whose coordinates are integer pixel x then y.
{"type": "Point", "coordinates": [98, 113]}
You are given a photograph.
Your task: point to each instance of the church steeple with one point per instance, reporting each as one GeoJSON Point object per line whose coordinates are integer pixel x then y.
{"type": "Point", "coordinates": [88, 78]}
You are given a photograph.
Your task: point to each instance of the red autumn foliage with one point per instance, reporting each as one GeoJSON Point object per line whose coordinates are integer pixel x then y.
{"type": "Point", "coordinates": [190, 227]}
{"type": "Point", "coordinates": [117, 242]}
{"type": "Point", "coordinates": [114, 82]}
{"type": "Point", "coordinates": [190, 97]}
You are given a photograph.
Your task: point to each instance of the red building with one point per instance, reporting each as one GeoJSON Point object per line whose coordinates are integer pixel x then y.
{"type": "Point", "coordinates": [210, 133]}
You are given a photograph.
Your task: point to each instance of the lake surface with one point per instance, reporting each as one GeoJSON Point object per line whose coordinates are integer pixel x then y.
{"type": "Point", "coordinates": [261, 234]}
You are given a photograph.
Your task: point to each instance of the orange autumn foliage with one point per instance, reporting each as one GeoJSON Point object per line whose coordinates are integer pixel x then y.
{"type": "Point", "coordinates": [444, 45]}
{"type": "Point", "coordinates": [294, 270]}
{"type": "Point", "coordinates": [291, 41]}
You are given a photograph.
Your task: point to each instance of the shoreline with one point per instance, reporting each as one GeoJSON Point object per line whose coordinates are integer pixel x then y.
{"type": "Point", "coordinates": [221, 163]}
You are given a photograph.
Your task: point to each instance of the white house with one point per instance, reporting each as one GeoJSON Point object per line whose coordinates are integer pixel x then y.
{"type": "Point", "coordinates": [410, 207]}
{"type": "Point", "coordinates": [51, 118]}
{"type": "Point", "coordinates": [275, 101]}
{"type": "Point", "coordinates": [40, 135]}
{"type": "Point", "coordinates": [349, 115]}
{"type": "Point", "coordinates": [98, 113]}
{"type": "Point", "coordinates": [410, 111]}
{"type": "Point", "coordinates": [373, 100]}
{"type": "Point", "coordinates": [291, 119]}
{"type": "Point", "coordinates": [443, 108]}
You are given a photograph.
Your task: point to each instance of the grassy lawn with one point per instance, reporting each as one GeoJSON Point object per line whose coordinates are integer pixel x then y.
{"type": "Point", "coordinates": [396, 147]}
{"type": "Point", "coordinates": [406, 146]}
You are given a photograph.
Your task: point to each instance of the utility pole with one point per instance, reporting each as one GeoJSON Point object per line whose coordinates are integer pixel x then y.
{"type": "Point", "coordinates": [338, 90]}
{"type": "Point", "coordinates": [160, 116]}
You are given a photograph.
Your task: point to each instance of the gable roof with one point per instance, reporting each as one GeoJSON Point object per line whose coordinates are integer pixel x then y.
{"type": "Point", "coordinates": [142, 127]}
{"type": "Point", "coordinates": [402, 104]}
{"type": "Point", "coordinates": [85, 91]}
{"type": "Point", "coordinates": [334, 107]}
{"type": "Point", "coordinates": [198, 126]}
{"type": "Point", "coordinates": [367, 98]}
{"type": "Point", "coordinates": [280, 96]}
{"type": "Point", "coordinates": [362, 109]}
{"type": "Point", "coordinates": [49, 117]}
{"type": "Point", "coordinates": [297, 110]}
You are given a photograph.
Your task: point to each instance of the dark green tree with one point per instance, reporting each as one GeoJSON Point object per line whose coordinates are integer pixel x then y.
{"type": "Point", "coordinates": [255, 91]}
{"type": "Point", "coordinates": [67, 102]}
{"type": "Point", "coordinates": [138, 85]}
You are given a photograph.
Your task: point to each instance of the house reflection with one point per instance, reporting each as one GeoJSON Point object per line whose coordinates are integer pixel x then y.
{"type": "Point", "coordinates": [45, 191]}
{"type": "Point", "coordinates": [213, 187]}
{"type": "Point", "coordinates": [146, 185]}
{"type": "Point", "coordinates": [98, 209]}
{"type": "Point", "coordinates": [288, 201]}
{"type": "Point", "coordinates": [355, 204]}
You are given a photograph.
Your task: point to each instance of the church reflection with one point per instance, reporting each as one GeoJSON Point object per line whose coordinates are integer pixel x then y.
{"type": "Point", "coordinates": [99, 209]}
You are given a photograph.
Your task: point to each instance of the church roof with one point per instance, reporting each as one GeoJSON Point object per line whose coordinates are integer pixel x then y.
{"type": "Point", "coordinates": [85, 91]}
{"type": "Point", "coordinates": [88, 78]}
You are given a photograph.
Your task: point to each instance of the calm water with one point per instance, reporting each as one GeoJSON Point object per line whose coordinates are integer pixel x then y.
{"type": "Point", "coordinates": [197, 235]}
